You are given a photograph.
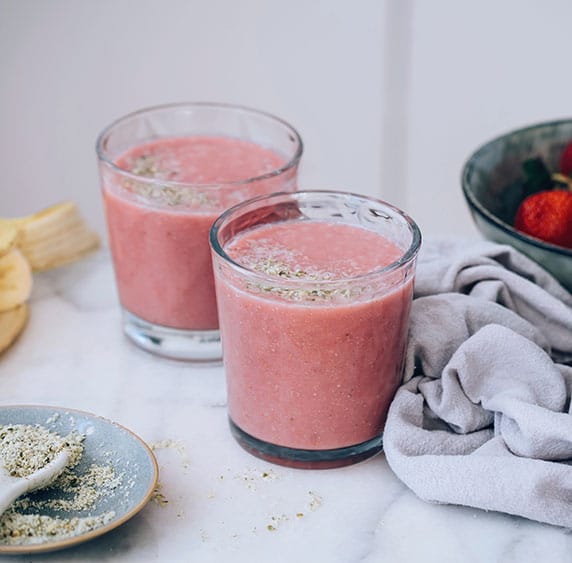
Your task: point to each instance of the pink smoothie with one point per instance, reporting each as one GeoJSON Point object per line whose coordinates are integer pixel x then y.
{"type": "Point", "coordinates": [314, 368]}
{"type": "Point", "coordinates": [159, 234]}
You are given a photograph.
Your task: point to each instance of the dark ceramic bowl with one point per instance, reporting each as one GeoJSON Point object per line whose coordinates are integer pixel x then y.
{"type": "Point", "coordinates": [493, 179]}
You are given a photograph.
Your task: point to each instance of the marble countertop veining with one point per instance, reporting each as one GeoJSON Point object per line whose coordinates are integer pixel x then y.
{"type": "Point", "coordinates": [223, 504]}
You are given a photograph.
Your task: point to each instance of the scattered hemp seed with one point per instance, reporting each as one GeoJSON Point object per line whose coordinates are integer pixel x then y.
{"type": "Point", "coordinates": [179, 447]}
{"type": "Point", "coordinates": [269, 475]}
{"type": "Point", "coordinates": [276, 522]}
{"type": "Point", "coordinates": [315, 501]}
{"type": "Point", "coordinates": [158, 497]}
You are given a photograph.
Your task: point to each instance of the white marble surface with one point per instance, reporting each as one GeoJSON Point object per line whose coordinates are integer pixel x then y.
{"type": "Point", "coordinates": [221, 506]}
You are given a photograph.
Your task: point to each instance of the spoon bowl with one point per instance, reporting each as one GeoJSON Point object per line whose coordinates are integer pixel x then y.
{"type": "Point", "coordinates": [12, 487]}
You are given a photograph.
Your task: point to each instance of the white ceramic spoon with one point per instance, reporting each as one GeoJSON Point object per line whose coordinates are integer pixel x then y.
{"type": "Point", "coordinates": [13, 487]}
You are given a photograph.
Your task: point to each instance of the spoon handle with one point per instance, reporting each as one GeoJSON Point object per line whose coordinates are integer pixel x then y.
{"type": "Point", "coordinates": [47, 474]}
{"type": "Point", "coordinates": [10, 490]}
{"type": "Point", "coordinates": [13, 487]}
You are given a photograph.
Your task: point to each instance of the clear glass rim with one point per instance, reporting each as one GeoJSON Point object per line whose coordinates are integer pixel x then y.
{"type": "Point", "coordinates": [407, 257]}
{"type": "Point", "coordinates": [288, 165]}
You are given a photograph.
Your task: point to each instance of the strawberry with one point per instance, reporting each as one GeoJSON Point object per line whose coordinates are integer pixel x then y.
{"type": "Point", "coordinates": [547, 215]}
{"type": "Point", "coordinates": [566, 160]}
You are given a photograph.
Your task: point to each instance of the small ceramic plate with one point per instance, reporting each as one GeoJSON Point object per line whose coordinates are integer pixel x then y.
{"type": "Point", "coordinates": [107, 444]}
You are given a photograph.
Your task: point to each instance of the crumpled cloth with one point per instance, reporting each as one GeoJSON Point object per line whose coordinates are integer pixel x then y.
{"type": "Point", "coordinates": [483, 418]}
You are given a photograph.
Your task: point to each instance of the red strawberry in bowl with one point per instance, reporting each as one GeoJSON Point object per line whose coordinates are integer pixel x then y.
{"type": "Point", "coordinates": [566, 160]}
{"type": "Point", "coordinates": [547, 215]}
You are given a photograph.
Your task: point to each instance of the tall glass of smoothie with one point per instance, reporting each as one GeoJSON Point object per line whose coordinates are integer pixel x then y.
{"type": "Point", "coordinates": [167, 172]}
{"type": "Point", "coordinates": [314, 290]}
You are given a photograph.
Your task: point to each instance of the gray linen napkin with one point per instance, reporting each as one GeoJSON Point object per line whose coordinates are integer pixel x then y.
{"type": "Point", "coordinates": [483, 418]}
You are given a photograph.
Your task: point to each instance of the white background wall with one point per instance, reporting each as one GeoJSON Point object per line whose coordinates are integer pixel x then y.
{"type": "Point", "coordinates": [478, 69]}
{"type": "Point", "coordinates": [389, 96]}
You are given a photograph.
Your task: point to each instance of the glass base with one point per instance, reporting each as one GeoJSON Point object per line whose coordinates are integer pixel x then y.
{"type": "Point", "coordinates": [199, 346]}
{"type": "Point", "coordinates": [306, 459]}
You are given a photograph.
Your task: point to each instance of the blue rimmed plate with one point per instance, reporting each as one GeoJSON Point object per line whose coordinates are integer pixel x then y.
{"type": "Point", "coordinates": [107, 444]}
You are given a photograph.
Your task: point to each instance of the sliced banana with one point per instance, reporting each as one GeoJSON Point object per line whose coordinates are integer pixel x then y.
{"type": "Point", "coordinates": [48, 221]}
{"type": "Point", "coordinates": [55, 236]}
{"type": "Point", "coordinates": [9, 235]}
{"type": "Point", "coordinates": [12, 323]}
{"type": "Point", "coordinates": [52, 237]}
{"type": "Point", "coordinates": [15, 280]}
{"type": "Point", "coordinates": [57, 251]}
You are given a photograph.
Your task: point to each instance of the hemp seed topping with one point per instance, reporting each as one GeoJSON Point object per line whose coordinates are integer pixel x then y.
{"type": "Point", "coordinates": [281, 270]}
{"type": "Point", "coordinates": [163, 193]}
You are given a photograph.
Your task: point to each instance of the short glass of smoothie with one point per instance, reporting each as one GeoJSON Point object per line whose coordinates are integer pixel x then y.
{"type": "Point", "coordinates": [166, 173]}
{"type": "Point", "coordinates": [314, 290]}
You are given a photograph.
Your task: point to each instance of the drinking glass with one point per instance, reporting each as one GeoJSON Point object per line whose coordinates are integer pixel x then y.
{"type": "Point", "coordinates": [313, 359]}
{"type": "Point", "coordinates": [166, 173]}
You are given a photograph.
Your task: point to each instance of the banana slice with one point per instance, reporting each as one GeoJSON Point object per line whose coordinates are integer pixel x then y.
{"type": "Point", "coordinates": [55, 236]}
{"type": "Point", "coordinates": [48, 221]}
{"type": "Point", "coordinates": [15, 280]}
{"type": "Point", "coordinates": [12, 323]}
{"type": "Point", "coordinates": [55, 253]}
{"type": "Point", "coordinates": [9, 235]}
